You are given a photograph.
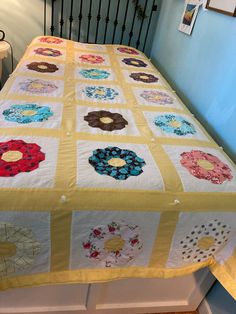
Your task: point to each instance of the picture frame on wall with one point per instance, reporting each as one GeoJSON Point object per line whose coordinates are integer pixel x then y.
{"type": "Point", "coordinates": [189, 15]}
{"type": "Point", "coordinates": [226, 6]}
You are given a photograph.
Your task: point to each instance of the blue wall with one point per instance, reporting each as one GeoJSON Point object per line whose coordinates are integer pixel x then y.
{"type": "Point", "coordinates": [201, 67]}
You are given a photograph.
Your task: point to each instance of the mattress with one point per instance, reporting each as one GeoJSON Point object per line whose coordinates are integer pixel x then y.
{"type": "Point", "coordinates": [105, 173]}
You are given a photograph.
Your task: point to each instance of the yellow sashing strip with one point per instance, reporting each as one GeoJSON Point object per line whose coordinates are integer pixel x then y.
{"type": "Point", "coordinates": [163, 240]}
{"type": "Point", "coordinates": [60, 240]}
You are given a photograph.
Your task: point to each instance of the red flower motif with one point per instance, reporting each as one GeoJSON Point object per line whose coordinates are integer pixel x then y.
{"type": "Point", "coordinates": [50, 40]}
{"type": "Point", "coordinates": [94, 59]}
{"type": "Point", "coordinates": [206, 166]}
{"type": "Point", "coordinates": [17, 156]}
{"type": "Point", "coordinates": [96, 232]}
{"type": "Point", "coordinates": [134, 241]}
{"type": "Point", "coordinates": [94, 254]}
{"type": "Point", "coordinates": [128, 50]}
{"type": "Point", "coordinates": [111, 229]}
{"type": "Point", "coordinates": [87, 245]}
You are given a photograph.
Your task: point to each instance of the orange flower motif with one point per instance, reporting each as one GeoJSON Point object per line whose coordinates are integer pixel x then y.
{"type": "Point", "coordinates": [93, 59]}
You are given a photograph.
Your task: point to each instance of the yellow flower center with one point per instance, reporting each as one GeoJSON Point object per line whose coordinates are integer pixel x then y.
{"type": "Point", "coordinates": [7, 249]}
{"type": "Point", "coordinates": [116, 162]}
{"type": "Point", "coordinates": [175, 124]}
{"type": "Point", "coordinates": [28, 112]}
{"type": "Point", "coordinates": [100, 92]}
{"type": "Point", "coordinates": [205, 164]}
{"type": "Point", "coordinates": [36, 85]}
{"type": "Point", "coordinates": [47, 51]}
{"type": "Point", "coordinates": [144, 77]}
{"type": "Point", "coordinates": [12, 155]}
{"type": "Point", "coordinates": [43, 67]}
{"type": "Point", "coordinates": [205, 243]}
{"type": "Point", "coordinates": [106, 120]}
{"type": "Point", "coordinates": [114, 244]}
{"type": "Point", "coordinates": [134, 62]}
{"type": "Point", "coordinates": [157, 97]}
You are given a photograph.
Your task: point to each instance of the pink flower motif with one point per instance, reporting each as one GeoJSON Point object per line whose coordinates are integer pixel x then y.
{"type": "Point", "coordinates": [50, 40]}
{"type": "Point", "coordinates": [134, 242]}
{"type": "Point", "coordinates": [128, 50]}
{"type": "Point", "coordinates": [94, 59]}
{"type": "Point", "coordinates": [206, 166]}
{"type": "Point", "coordinates": [48, 52]}
{"type": "Point", "coordinates": [111, 229]}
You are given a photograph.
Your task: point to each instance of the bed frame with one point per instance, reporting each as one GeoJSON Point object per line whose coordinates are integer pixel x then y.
{"type": "Point", "coordinates": [125, 22]}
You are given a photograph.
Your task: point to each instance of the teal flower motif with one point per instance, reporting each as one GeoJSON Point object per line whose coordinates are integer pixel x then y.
{"type": "Point", "coordinates": [175, 124]}
{"type": "Point", "coordinates": [100, 92]}
{"type": "Point", "coordinates": [117, 163]}
{"type": "Point", "coordinates": [27, 113]}
{"type": "Point", "coordinates": [94, 74]}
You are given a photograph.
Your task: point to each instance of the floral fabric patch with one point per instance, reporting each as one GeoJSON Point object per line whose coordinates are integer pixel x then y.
{"type": "Point", "coordinates": [17, 156]}
{"type": "Point", "coordinates": [51, 40]}
{"type": "Point", "coordinates": [127, 50]}
{"type": "Point", "coordinates": [114, 244]}
{"type": "Point", "coordinates": [43, 67]}
{"type": "Point", "coordinates": [27, 113]}
{"type": "Point", "coordinates": [204, 241]}
{"type": "Point", "coordinates": [134, 62]}
{"type": "Point", "coordinates": [18, 248]}
{"type": "Point", "coordinates": [171, 123]}
{"type": "Point", "coordinates": [37, 86]}
{"type": "Point", "coordinates": [94, 74]}
{"type": "Point", "coordinates": [157, 97]}
{"type": "Point", "coordinates": [93, 59]}
{"type": "Point", "coordinates": [48, 52]}
{"type": "Point", "coordinates": [144, 77]}
{"type": "Point", "coordinates": [118, 163]}
{"type": "Point", "coordinates": [206, 166]}
{"type": "Point", "coordinates": [100, 92]}
{"type": "Point", "coordinates": [106, 120]}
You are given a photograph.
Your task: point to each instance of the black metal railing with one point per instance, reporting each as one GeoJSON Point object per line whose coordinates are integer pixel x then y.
{"type": "Point", "coordinates": [125, 22]}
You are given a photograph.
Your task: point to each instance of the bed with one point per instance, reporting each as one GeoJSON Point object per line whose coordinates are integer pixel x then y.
{"type": "Point", "coordinates": [105, 174]}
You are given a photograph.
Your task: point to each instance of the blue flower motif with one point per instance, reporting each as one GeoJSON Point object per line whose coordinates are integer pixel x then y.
{"type": "Point", "coordinates": [117, 163]}
{"type": "Point", "coordinates": [175, 124]}
{"type": "Point", "coordinates": [100, 92]}
{"type": "Point", "coordinates": [27, 113]}
{"type": "Point", "coordinates": [94, 74]}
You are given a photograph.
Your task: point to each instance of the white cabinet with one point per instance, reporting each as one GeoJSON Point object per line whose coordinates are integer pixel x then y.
{"type": "Point", "coordinates": [121, 296]}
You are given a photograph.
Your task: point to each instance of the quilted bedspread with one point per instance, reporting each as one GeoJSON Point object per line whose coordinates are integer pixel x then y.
{"type": "Point", "coordinates": [105, 174]}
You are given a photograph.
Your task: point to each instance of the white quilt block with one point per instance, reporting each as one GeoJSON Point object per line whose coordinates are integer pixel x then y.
{"type": "Point", "coordinates": [43, 67]}
{"type": "Point", "coordinates": [112, 238]}
{"type": "Point", "coordinates": [14, 113]}
{"type": "Point", "coordinates": [156, 97]}
{"type": "Point", "coordinates": [117, 166]}
{"type": "Point", "coordinates": [94, 74]}
{"type": "Point", "coordinates": [28, 162]}
{"type": "Point", "coordinates": [26, 236]}
{"type": "Point", "coordinates": [55, 53]}
{"type": "Point", "coordinates": [174, 125]}
{"type": "Point", "coordinates": [200, 236]}
{"type": "Point", "coordinates": [37, 87]}
{"type": "Point", "coordinates": [90, 47]}
{"type": "Point", "coordinates": [202, 169]}
{"type": "Point", "coordinates": [111, 94]}
{"type": "Point", "coordinates": [92, 58]}
{"type": "Point", "coordinates": [143, 77]}
{"type": "Point", "coordinates": [106, 121]}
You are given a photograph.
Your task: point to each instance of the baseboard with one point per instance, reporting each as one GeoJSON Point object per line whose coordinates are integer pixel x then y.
{"type": "Point", "coordinates": [204, 308]}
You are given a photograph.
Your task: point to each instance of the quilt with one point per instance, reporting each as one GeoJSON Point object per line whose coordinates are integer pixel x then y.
{"type": "Point", "coordinates": [105, 173]}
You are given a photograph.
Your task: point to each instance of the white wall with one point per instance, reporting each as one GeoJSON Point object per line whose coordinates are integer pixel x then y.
{"type": "Point", "coordinates": [21, 20]}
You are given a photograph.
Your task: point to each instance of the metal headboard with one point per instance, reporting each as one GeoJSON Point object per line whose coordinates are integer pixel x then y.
{"type": "Point", "coordinates": [101, 21]}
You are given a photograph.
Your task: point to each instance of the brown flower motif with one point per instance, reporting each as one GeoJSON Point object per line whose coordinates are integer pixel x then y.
{"type": "Point", "coordinates": [43, 67]}
{"type": "Point", "coordinates": [144, 77]}
{"type": "Point", "coordinates": [105, 120]}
